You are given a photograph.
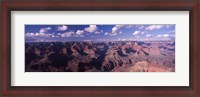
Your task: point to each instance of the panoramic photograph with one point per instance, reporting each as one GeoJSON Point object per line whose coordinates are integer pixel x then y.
{"type": "Point", "coordinates": [100, 48]}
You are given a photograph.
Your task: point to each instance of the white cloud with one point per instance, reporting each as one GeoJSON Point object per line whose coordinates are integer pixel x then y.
{"type": "Point", "coordinates": [154, 27]}
{"type": "Point", "coordinates": [136, 32]}
{"type": "Point", "coordinates": [101, 31]}
{"type": "Point", "coordinates": [159, 35]}
{"type": "Point", "coordinates": [79, 35]}
{"type": "Point", "coordinates": [120, 26]}
{"type": "Point", "coordinates": [129, 26]}
{"type": "Point", "coordinates": [43, 30]}
{"type": "Point", "coordinates": [48, 28]}
{"type": "Point", "coordinates": [106, 33]}
{"type": "Point", "coordinates": [116, 28]}
{"type": "Point", "coordinates": [67, 34]}
{"type": "Point", "coordinates": [43, 35]}
{"type": "Point", "coordinates": [91, 28]}
{"type": "Point", "coordinates": [113, 34]}
{"type": "Point", "coordinates": [123, 39]}
{"type": "Point", "coordinates": [98, 32]}
{"type": "Point", "coordinates": [62, 35]}
{"type": "Point", "coordinates": [142, 32]}
{"type": "Point", "coordinates": [37, 34]}
{"type": "Point", "coordinates": [166, 35]}
{"type": "Point", "coordinates": [139, 26]}
{"type": "Point", "coordinates": [59, 33]}
{"type": "Point", "coordinates": [148, 35]}
{"type": "Point", "coordinates": [137, 36]}
{"type": "Point", "coordinates": [62, 28]}
{"type": "Point", "coordinates": [29, 34]}
{"type": "Point", "coordinates": [79, 32]}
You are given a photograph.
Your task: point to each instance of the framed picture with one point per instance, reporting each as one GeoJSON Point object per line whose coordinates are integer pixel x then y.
{"type": "Point", "coordinates": [140, 48]}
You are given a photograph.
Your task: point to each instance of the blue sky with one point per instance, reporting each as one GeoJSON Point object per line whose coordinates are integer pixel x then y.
{"type": "Point", "coordinates": [49, 33]}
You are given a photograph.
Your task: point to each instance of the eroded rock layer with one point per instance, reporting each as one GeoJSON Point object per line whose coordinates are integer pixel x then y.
{"type": "Point", "coordinates": [118, 56]}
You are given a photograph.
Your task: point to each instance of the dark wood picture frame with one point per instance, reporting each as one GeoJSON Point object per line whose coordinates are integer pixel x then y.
{"type": "Point", "coordinates": [193, 90]}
